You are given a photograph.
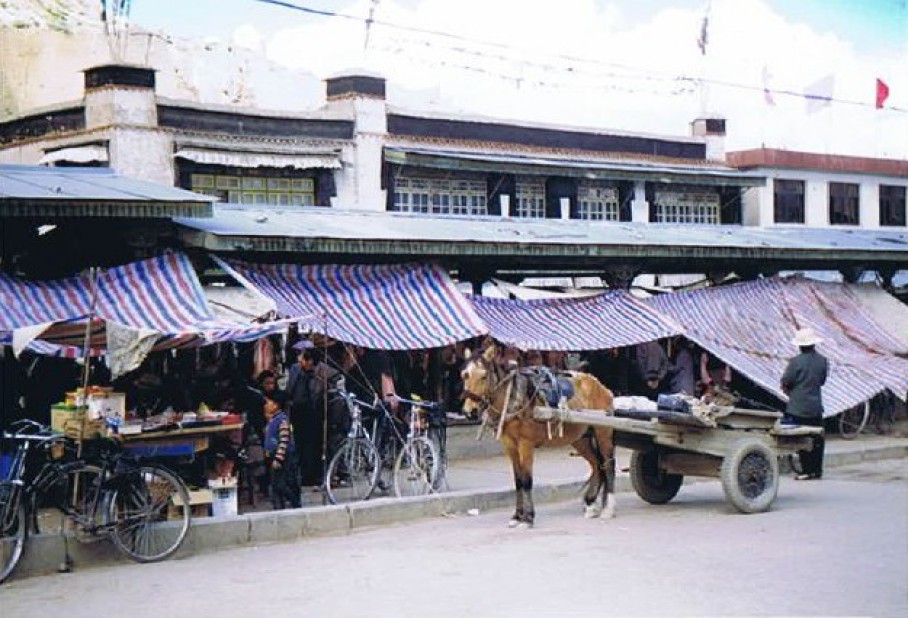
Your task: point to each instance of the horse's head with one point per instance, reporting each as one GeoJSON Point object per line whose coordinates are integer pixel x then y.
{"type": "Point", "coordinates": [476, 375]}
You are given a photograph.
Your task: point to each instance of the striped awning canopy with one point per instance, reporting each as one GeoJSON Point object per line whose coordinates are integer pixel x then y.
{"type": "Point", "coordinates": [160, 295]}
{"type": "Point", "coordinates": [750, 326]}
{"type": "Point", "coordinates": [389, 307]}
{"type": "Point", "coordinates": [609, 320]}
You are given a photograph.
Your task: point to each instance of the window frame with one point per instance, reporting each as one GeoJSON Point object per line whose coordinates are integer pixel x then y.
{"type": "Point", "coordinates": [783, 211]}
{"type": "Point", "coordinates": [840, 203]}
{"type": "Point", "coordinates": [892, 207]}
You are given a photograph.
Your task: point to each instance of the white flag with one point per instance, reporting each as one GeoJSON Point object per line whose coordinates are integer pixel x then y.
{"type": "Point", "coordinates": [819, 94]}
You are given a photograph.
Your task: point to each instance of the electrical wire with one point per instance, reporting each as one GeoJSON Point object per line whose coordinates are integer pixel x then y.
{"type": "Point", "coordinates": [636, 72]}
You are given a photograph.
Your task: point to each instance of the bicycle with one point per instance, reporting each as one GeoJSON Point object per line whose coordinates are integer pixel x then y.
{"type": "Point", "coordinates": [109, 496]}
{"type": "Point", "coordinates": [877, 414]}
{"type": "Point", "coordinates": [353, 470]}
{"type": "Point", "coordinates": [418, 465]}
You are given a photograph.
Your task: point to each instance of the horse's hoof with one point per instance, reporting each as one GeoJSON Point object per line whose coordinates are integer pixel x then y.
{"type": "Point", "coordinates": [524, 525]}
{"type": "Point", "coordinates": [514, 523]}
{"type": "Point", "coordinates": [592, 511]}
{"type": "Point", "coordinates": [608, 514]}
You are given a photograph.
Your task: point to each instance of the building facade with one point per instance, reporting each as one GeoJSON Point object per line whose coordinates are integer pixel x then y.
{"type": "Point", "coordinates": [812, 190]}
{"type": "Point", "coordinates": [405, 185]}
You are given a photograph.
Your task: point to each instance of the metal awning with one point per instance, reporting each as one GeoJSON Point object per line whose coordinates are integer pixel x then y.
{"type": "Point", "coordinates": [591, 169]}
{"type": "Point", "coordinates": [235, 158]}
{"type": "Point", "coordinates": [89, 153]}
{"type": "Point", "coordinates": [39, 191]}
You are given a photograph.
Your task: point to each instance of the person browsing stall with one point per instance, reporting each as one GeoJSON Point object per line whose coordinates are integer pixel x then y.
{"type": "Point", "coordinates": [802, 380]}
{"type": "Point", "coordinates": [280, 454]}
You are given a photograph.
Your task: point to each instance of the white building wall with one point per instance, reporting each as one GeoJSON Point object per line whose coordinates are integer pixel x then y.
{"type": "Point", "coordinates": [758, 204]}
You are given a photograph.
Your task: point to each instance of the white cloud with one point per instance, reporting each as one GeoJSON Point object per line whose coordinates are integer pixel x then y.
{"type": "Point", "coordinates": [532, 77]}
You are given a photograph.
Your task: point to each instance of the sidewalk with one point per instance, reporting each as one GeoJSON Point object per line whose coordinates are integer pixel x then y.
{"type": "Point", "coordinates": [482, 482]}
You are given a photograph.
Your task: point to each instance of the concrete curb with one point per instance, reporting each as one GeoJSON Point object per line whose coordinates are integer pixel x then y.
{"type": "Point", "coordinates": [44, 553]}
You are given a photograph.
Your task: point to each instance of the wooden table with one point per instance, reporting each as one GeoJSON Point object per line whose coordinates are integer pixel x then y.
{"type": "Point", "coordinates": [189, 441]}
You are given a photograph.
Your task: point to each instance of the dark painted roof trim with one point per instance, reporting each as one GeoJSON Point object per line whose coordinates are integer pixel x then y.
{"type": "Point", "coordinates": [591, 170]}
{"type": "Point", "coordinates": [483, 131]}
{"type": "Point", "coordinates": [247, 125]}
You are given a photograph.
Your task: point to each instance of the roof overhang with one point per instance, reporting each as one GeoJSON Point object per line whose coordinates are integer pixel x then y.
{"type": "Point", "coordinates": [499, 243]}
{"type": "Point", "coordinates": [89, 153]}
{"type": "Point", "coordinates": [591, 169]}
{"type": "Point", "coordinates": [235, 158]}
{"type": "Point", "coordinates": [65, 192]}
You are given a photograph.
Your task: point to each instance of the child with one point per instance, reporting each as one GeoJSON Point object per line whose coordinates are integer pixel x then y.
{"type": "Point", "coordinates": [280, 455]}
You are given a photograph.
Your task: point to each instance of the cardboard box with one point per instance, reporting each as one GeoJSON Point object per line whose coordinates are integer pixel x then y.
{"type": "Point", "coordinates": [75, 423]}
{"type": "Point", "coordinates": [199, 503]}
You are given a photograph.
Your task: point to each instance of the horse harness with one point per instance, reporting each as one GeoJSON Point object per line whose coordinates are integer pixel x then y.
{"type": "Point", "coordinates": [545, 387]}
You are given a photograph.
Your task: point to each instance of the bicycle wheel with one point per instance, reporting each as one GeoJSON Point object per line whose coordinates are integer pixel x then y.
{"type": "Point", "coordinates": [147, 524]}
{"type": "Point", "coordinates": [353, 472]}
{"type": "Point", "coordinates": [13, 528]}
{"type": "Point", "coordinates": [75, 490]}
{"type": "Point", "coordinates": [853, 420]}
{"type": "Point", "coordinates": [416, 468]}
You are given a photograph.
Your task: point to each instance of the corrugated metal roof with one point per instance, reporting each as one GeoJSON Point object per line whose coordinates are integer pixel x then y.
{"type": "Point", "coordinates": [579, 164]}
{"type": "Point", "coordinates": [77, 191]}
{"type": "Point", "coordinates": [235, 222]}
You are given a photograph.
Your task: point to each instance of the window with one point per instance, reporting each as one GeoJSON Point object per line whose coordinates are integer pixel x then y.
{"type": "Point", "coordinates": [597, 202]}
{"type": "Point", "coordinates": [844, 205]}
{"type": "Point", "coordinates": [530, 199]}
{"type": "Point", "coordinates": [444, 196]}
{"type": "Point", "coordinates": [687, 206]}
{"type": "Point", "coordinates": [788, 201]}
{"type": "Point", "coordinates": [255, 189]}
{"type": "Point", "coordinates": [892, 205]}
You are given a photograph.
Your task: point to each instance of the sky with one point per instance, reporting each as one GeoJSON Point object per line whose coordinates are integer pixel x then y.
{"type": "Point", "coordinates": [623, 65]}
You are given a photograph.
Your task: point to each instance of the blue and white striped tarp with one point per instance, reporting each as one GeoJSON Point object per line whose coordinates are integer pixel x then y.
{"type": "Point", "coordinates": [750, 326]}
{"type": "Point", "coordinates": [390, 307]}
{"type": "Point", "coordinates": [161, 294]}
{"type": "Point", "coordinates": [609, 320]}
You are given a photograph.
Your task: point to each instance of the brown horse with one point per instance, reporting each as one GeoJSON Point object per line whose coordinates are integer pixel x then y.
{"type": "Point", "coordinates": [507, 396]}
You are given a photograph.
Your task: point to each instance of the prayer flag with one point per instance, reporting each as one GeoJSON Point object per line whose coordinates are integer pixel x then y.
{"type": "Point", "coordinates": [819, 94]}
{"type": "Point", "coordinates": [767, 93]}
{"type": "Point", "coordinates": [703, 39]}
{"type": "Point", "coordinates": [882, 93]}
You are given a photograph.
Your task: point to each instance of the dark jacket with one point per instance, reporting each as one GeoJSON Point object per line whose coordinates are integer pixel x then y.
{"type": "Point", "coordinates": [803, 377]}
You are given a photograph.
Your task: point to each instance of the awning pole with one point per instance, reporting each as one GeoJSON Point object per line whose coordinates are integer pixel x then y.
{"type": "Point", "coordinates": [86, 353]}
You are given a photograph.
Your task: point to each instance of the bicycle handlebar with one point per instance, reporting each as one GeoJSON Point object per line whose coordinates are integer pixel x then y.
{"type": "Point", "coordinates": [31, 431]}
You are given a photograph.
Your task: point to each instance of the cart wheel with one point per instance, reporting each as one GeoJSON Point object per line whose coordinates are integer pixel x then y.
{"type": "Point", "coordinates": [853, 420]}
{"type": "Point", "coordinates": [750, 476]}
{"type": "Point", "coordinates": [652, 484]}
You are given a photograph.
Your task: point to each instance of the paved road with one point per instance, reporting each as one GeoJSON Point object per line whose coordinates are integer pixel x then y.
{"type": "Point", "coordinates": [836, 547]}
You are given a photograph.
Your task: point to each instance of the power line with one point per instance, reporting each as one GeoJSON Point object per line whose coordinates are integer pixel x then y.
{"type": "Point", "coordinates": [643, 73]}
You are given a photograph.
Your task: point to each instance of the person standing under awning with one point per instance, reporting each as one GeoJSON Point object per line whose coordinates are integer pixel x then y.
{"type": "Point", "coordinates": [802, 380]}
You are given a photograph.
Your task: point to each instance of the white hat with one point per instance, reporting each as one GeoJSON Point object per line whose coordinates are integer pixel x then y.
{"type": "Point", "coordinates": [806, 337]}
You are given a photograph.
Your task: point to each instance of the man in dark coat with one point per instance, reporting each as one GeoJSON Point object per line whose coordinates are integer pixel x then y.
{"type": "Point", "coordinates": [306, 386]}
{"type": "Point", "coordinates": [803, 377]}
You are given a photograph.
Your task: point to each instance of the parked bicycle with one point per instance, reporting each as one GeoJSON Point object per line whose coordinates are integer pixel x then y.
{"type": "Point", "coordinates": [877, 415]}
{"type": "Point", "coordinates": [355, 471]}
{"type": "Point", "coordinates": [419, 463]}
{"type": "Point", "coordinates": [141, 507]}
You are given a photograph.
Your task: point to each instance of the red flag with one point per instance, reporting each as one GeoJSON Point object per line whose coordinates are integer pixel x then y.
{"type": "Point", "coordinates": [882, 93]}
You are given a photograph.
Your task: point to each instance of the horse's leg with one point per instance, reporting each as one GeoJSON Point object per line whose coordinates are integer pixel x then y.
{"type": "Point", "coordinates": [606, 444]}
{"type": "Point", "coordinates": [510, 449]}
{"type": "Point", "coordinates": [526, 450]}
{"type": "Point", "coordinates": [587, 448]}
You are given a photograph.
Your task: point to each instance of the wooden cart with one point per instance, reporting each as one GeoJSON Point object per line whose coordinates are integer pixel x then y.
{"type": "Point", "coordinates": [741, 447]}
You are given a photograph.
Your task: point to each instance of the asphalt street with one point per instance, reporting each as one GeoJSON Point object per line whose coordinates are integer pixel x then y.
{"type": "Point", "coordinates": [831, 548]}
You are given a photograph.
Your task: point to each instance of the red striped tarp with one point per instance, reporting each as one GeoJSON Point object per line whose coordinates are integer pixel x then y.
{"type": "Point", "coordinates": [391, 307]}
{"type": "Point", "coordinates": [161, 294]}
{"type": "Point", "coordinates": [750, 326]}
{"type": "Point", "coordinates": [610, 320]}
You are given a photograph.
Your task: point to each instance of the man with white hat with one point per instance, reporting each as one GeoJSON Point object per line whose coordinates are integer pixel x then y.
{"type": "Point", "coordinates": [803, 377]}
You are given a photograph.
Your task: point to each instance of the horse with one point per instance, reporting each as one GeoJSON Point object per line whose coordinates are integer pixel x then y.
{"type": "Point", "coordinates": [506, 396]}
